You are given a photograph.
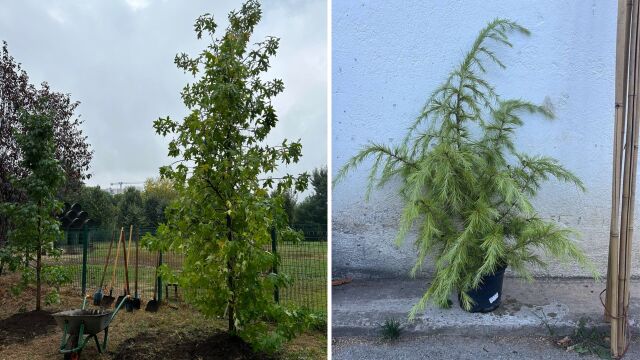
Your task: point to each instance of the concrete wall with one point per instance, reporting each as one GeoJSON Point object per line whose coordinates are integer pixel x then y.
{"type": "Point", "coordinates": [387, 58]}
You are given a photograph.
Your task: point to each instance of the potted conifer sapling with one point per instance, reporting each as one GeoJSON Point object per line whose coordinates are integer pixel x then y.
{"type": "Point", "coordinates": [467, 188]}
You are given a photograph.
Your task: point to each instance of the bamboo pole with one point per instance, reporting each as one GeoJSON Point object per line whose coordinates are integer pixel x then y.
{"type": "Point", "coordinates": [622, 65]}
{"type": "Point", "coordinates": [625, 336]}
{"type": "Point", "coordinates": [632, 148]}
{"type": "Point", "coordinates": [628, 192]}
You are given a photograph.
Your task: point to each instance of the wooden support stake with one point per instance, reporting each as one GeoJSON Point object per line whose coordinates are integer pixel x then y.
{"type": "Point", "coordinates": [628, 191]}
{"type": "Point", "coordinates": [622, 66]}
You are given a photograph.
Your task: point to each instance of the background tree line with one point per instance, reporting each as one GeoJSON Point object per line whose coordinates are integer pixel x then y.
{"type": "Point", "coordinates": [140, 208]}
{"type": "Point", "coordinates": [145, 208]}
{"type": "Point", "coordinates": [312, 210]}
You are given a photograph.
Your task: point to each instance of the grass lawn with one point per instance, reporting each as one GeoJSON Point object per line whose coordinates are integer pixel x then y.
{"type": "Point", "coordinates": [306, 265]}
{"type": "Point", "coordinates": [143, 333]}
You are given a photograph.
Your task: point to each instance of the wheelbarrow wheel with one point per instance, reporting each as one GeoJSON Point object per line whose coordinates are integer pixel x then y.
{"type": "Point", "coordinates": [72, 343]}
{"type": "Point", "coordinates": [72, 356]}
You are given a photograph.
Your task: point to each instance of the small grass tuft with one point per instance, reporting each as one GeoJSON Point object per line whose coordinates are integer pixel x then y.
{"type": "Point", "coordinates": [587, 341]}
{"type": "Point", "coordinates": [545, 321]}
{"type": "Point", "coordinates": [391, 329]}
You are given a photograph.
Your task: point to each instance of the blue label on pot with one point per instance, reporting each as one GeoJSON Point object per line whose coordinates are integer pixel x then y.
{"type": "Point", "coordinates": [494, 298]}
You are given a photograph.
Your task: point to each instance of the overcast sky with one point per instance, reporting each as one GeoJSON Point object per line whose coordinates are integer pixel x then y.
{"type": "Point", "coordinates": [116, 58]}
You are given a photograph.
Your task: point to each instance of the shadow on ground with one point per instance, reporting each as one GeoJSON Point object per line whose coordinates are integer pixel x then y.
{"type": "Point", "coordinates": [185, 345]}
{"type": "Point", "coordinates": [22, 327]}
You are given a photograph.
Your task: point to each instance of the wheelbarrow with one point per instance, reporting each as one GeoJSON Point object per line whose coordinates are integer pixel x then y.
{"type": "Point", "coordinates": [80, 322]}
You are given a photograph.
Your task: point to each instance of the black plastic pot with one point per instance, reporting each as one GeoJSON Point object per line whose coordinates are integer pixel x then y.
{"type": "Point", "coordinates": [488, 296]}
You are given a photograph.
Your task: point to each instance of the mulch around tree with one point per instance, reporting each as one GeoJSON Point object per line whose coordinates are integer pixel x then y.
{"type": "Point", "coordinates": [23, 327]}
{"type": "Point", "coordinates": [179, 345]}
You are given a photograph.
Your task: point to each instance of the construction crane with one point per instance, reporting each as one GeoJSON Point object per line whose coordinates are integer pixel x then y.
{"type": "Point", "coordinates": [120, 183]}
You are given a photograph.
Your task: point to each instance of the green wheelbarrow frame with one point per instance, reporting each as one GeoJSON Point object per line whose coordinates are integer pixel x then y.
{"type": "Point", "coordinates": [82, 340]}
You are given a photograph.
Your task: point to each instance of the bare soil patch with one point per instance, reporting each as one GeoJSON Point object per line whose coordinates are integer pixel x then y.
{"type": "Point", "coordinates": [174, 332]}
{"type": "Point", "coordinates": [186, 345]}
{"type": "Point", "coordinates": [22, 327]}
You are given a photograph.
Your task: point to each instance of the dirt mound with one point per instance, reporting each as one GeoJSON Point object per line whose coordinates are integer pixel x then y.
{"type": "Point", "coordinates": [25, 326]}
{"type": "Point", "coordinates": [165, 345]}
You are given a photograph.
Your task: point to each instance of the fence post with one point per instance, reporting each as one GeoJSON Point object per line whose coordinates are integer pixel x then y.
{"type": "Point", "coordinates": [160, 279]}
{"type": "Point", "coordinates": [85, 247]}
{"type": "Point", "coordinates": [274, 248]}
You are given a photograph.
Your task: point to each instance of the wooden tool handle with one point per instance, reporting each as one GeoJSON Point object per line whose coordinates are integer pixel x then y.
{"type": "Point", "coordinates": [126, 269]}
{"type": "Point", "coordinates": [106, 263]}
{"type": "Point", "coordinates": [137, 249]}
{"type": "Point", "coordinates": [155, 282]}
{"type": "Point", "coordinates": [115, 261]}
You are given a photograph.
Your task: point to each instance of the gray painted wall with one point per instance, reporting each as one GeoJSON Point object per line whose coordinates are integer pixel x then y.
{"type": "Point", "coordinates": [387, 58]}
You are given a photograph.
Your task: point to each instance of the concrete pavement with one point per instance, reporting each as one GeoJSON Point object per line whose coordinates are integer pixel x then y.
{"type": "Point", "coordinates": [452, 347]}
{"type": "Point", "coordinates": [360, 307]}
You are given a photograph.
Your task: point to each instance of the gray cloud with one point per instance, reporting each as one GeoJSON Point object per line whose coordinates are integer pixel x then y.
{"type": "Point", "coordinates": [116, 58]}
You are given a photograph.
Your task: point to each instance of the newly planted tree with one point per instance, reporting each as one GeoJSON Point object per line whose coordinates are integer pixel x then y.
{"type": "Point", "coordinates": [464, 183]}
{"type": "Point", "coordinates": [71, 148]}
{"type": "Point", "coordinates": [223, 213]}
{"type": "Point", "coordinates": [33, 223]}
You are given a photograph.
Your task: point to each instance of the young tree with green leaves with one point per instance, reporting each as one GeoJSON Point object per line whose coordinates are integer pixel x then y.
{"type": "Point", "coordinates": [223, 215]}
{"type": "Point", "coordinates": [465, 185]}
{"type": "Point", "coordinates": [18, 94]}
{"type": "Point", "coordinates": [289, 203]}
{"type": "Point", "coordinates": [34, 226]}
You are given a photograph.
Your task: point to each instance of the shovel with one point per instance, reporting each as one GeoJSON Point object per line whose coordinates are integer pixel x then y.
{"type": "Point", "coordinates": [107, 300]}
{"type": "Point", "coordinates": [136, 298]}
{"type": "Point", "coordinates": [153, 305]}
{"type": "Point", "coordinates": [127, 304]}
{"type": "Point", "coordinates": [97, 296]}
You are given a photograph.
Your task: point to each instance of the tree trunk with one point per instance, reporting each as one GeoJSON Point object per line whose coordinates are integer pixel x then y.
{"type": "Point", "coordinates": [232, 299]}
{"type": "Point", "coordinates": [38, 281]}
{"type": "Point", "coordinates": [3, 242]}
{"type": "Point", "coordinates": [39, 263]}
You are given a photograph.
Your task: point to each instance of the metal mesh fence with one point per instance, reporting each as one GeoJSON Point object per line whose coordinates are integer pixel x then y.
{"type": "Point", "coordinates": [99, 242]}
{"type": "Point", "coordinates": [305, 263]}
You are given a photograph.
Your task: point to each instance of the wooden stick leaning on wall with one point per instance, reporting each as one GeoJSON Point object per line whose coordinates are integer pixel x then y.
{"type": "Point", "coordinates": [622, 66]}
{"type": "Point", "coordinates": [632, 149]}
{"type": "Point", "coordinates": [628, 190]}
